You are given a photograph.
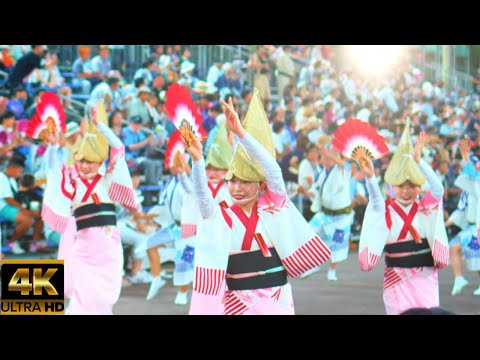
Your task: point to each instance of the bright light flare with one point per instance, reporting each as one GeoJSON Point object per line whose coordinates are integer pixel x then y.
{"type": "Point", "coordinates": [375, 59]}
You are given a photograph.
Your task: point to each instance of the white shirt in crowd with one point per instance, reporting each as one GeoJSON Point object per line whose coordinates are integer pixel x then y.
{"type": "Point", "coordinates": [6, 185]}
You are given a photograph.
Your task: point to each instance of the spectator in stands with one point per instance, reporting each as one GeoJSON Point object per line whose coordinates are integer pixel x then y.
{"type": "Point", "coordinates": [138, 105]}
{"type": "Point", "coordinates": [259, 64]}
{"type": "Point", "coordinates": [229, 82]}
{"type": "Point", "coordinates": [108, 91]}
{"type": "Point", "coordinates": [186, 72]}
{"type": "Point", "coordinates": [115, 122]}
{"type": "Point", "coordinates": [475, 79]}
{"type": "Point", "coordinates": [9, 138]}
{"type": "Point", "coordinates": [49, 78]}
{"type": "Point", "coordinates": [215, 71]}
{"type": "Point", "coordinates": [30, 197]}
{"type": "Point", "coordinates": [365, 112]}
{"type": "Point", "coordinates": [6, 60]}
{"type": "Point", "coordinates": [83, 73]}
{"type": "Point", "coordinates": [156, 51]}
{"type": "Point", "coordinates": [135, 229]}
{"type": "Point", "coordinates": [158, 85]}
{"type": "Point", "coordinates": [15, 212]}
{"type": "Point", "coordinates": [285, 69]}
{"type": "Point", "coordinates": [19, 50]}
{"type": "Point", "coordinates": [18, 101]}
{"type": "Point", "coordinates": [281, 149]}
{"type": "Point", "coordinates": [146, 71]}
{"type": "Point", "coordinates": [135, 140]}
{"type": "Point", "coordinates": [25, 65]}
{"type": "Point", "coordinates": [213, 112]}
{"type": "Point", "coordinates": [101, 63]}
{"type": "Point", "coordinates": [32, 108]}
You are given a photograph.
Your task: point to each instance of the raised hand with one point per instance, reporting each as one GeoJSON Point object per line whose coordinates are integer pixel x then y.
{"type": "Point", "coordinates": [194, 147]}
{"type": "Point", "coordinates": [422, 139]}
{"type": "Point", "coordinates": [365, 162]}
{"type": "Point", "coordinates": [232, 120]}
{"type": "Point", "coordinates": [465, 148]}
{"type": "Point", "coordinates": [52, 138]}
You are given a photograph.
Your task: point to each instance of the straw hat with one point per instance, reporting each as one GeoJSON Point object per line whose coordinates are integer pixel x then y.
{"type": "Point", "coordinates": [220, 153]}
{"type": "Point", "coordinates": [94, 146]}
{"type": "Point", "coordinates": [403, 166]}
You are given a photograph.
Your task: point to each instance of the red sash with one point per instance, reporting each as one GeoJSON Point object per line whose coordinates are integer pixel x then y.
{"type": "Point", "coordinates": [90, 186]}
{"type": "Point", "coordinates": [407, 219]}
{"type": "Point", "coordinates": [249, 223]}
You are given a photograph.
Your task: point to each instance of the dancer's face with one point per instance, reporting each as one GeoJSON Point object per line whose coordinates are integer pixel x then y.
{"type": "Point", "coordinates": [215, 175]}
{"type": "Point", "coordinates": [244, 193]}
{"type": "Point", "coordinates": [87, 169]}
{"type": "Point", "coordinates": [406, 193]}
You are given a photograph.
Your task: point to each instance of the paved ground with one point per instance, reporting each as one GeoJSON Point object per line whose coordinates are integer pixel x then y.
{"type": "Point", "coordinates": [356, 293]}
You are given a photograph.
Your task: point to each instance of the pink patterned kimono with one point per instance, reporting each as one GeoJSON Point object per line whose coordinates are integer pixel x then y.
{"type": "Point", "coordinates": [388, 227]}
{"type": "Point", "coordinates": [275, 228]}
{"type": "Point", "coordinates": [93, 255]}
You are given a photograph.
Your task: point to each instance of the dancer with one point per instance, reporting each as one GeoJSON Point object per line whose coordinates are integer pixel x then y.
{"type": "Point", "coordinates": [245, 252]}
{"type": "Point", "coordinates": [217, 162]}
{"type": "Point", "coordinates": [90, 244]}
{"type": "Point", "coordinates": [182, 111]}
{"type": "Point", "coordinates": [466, 244]}
{"type": "Point", "coordinates": [333, 206]}
{"type": "Point", "coordinates": [411, 232]}
{"type": "Point", "coordinates": [168, 210]}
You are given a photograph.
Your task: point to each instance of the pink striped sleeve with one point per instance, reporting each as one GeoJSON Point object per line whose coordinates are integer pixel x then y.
{"type": "Point", "coordinates": [208, 281]}
{"type": "Point", "coordinates": [124, 195]}
{"type": "Point", "coordinates": [188, 230]}
{"type": "Point", "coordinates": [367, 260]}
{"type": "Point", "coordinates": [441, 254]}
{"type": "Point", "coordinates": [309, 255]}
{"type": "Point", "coordinates": [55, 221]}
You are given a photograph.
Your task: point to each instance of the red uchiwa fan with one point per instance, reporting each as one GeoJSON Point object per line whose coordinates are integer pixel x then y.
{"type": "Point", "coordinates": [354, 134]}
{"type": "Point", "coordinates": [184, 112]}
{"type": "Point", "coordinates": [49, 116]}
{"type": "Point", "coordinates": [175, 153]}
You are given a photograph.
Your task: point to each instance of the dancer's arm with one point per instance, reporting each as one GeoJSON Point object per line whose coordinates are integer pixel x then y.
{"type": "Point", "coordinates": [273, 173]}
{"type": "Point", "coordinates": [186, 182]}
{"type": "Point", "coordinates": [111, 137]}
{"type": "Point", "coordinates": [436, 187]}
{"type": "Point", "coordinates": [374, 230]}
{"type": "Point", "coordinates": [202, 193]}
{"type": "Point", "coordinates": [375, 196]}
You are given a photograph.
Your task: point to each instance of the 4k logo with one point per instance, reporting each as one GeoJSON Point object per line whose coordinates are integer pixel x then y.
{"type": "Point", "coordinates": [32, 287]}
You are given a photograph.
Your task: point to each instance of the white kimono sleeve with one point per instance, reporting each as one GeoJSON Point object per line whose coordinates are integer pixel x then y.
{"type": "Point", "coordinates": [373, 236]}
{"type": "Point", "coordinates": [59, 192]}
{"type": "Point", "coordinates": [118, 176]}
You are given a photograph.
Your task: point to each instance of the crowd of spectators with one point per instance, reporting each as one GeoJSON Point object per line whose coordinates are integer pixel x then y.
{"type": "Point", "coordinates": [306, 97]}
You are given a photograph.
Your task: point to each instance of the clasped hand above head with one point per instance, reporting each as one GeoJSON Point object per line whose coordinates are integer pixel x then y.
{"type": "Point", "coordinates": [420, 142]}
{"type": "Point", "coordinates": [194, 147]}
{"type": "Point", "coordinates": [365, 162]}
{"type": "Point", "coordinates": [192, 143]}
{"type": "Point", "coordinates": [232, 120]}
